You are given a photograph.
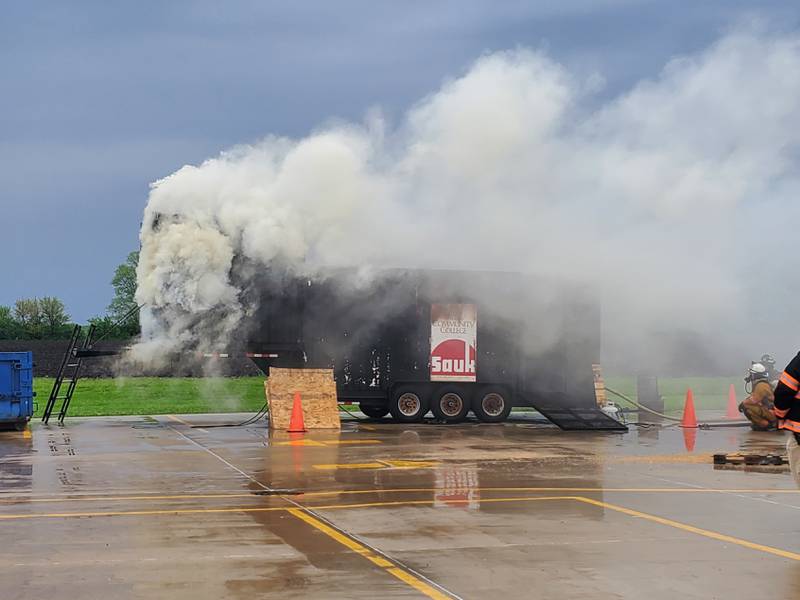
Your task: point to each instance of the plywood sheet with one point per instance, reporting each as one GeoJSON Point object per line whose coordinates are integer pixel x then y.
{"type": "Point", "coordinates": [317, 391]}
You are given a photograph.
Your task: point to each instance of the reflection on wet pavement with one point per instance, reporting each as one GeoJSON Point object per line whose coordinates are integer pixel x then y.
{"type": "Point", "coordinates": [164, 508]}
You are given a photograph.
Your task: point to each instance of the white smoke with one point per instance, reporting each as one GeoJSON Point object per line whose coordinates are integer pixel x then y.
{"type": "Point", "coordinates": [512, 166]}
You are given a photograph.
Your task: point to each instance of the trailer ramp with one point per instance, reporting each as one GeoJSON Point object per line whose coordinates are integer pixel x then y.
{"type": "Point", "coordinates": [580, 418]}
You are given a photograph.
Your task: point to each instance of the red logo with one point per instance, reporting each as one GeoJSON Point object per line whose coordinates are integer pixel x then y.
{"type": "Point", "coordinates": [452, 358]}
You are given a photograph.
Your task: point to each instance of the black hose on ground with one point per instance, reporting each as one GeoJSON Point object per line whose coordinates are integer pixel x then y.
{"type": "Point", "coordinates": [355, 417]}
{"type": "Point", "coordinates": [262, 412]}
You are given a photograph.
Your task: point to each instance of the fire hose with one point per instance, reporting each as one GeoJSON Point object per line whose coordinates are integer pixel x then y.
{"type": "Point", "coordinates": [675, 419]}
{"type": "Point", "coordinates": [642, 406]}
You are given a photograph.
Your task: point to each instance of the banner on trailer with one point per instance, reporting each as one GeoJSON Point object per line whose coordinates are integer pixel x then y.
{"type": "Point", "coordinates": [454, 342]}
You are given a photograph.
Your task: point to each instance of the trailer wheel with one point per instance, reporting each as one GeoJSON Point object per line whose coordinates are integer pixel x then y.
{"type": "Point", "coordinates": [451, 405]}
{"type": "Point", "coordinates": [373, 412]}
{"type": "Point", "coordinates": [491, 405]}
{"type": "Point", "coordinates": [408, 405]}
{"type": "Point", "coordinates": [20, 425]}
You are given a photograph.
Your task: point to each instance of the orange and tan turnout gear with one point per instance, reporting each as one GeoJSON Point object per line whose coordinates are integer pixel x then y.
{"type": "Point", "coordinates": [759, 407]}
{"type": "Point", "coordinates": [787, 408]}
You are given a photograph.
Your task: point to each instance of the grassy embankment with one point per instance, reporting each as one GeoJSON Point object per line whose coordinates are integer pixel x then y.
{"type": "Point", "coordinates": [151, 395]}
{"type": "Point", "coordinates": [158, 395]}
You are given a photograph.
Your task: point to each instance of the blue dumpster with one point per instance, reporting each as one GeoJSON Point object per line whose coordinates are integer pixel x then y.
{"type": "Point", "coordinates": [16, 389]}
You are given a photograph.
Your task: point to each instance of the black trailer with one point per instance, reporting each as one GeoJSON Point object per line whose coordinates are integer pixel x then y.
{"type": "Point", "coordinates": [403, 342]}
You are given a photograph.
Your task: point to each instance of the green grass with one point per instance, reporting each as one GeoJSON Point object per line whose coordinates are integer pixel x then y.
{"type": "Point", "coordinates": [163, 395]}
{"type": "Point", "coordinates": [710, 393]}
{"type": "Point", "coordinates": [157, 395]}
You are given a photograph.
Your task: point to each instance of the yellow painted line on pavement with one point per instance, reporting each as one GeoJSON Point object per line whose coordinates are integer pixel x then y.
{"type": "Point", "coordinates": [309, 442]}
{"type": "Point", "coordinates": [336, 467]}
{"type": "Point", "coordinates": [428, 502]}
{"type": "Point", "coordinates": [691, 528]}
{"type": "Point", "coordinates": [303, 442]}
{"type": "Point", "coordinates": [416, 583]}
{"type": "Point", "coordinates": [621, 509]}
{"type": "Point", "coordinates": [138, 513]}
{"type": "Point", "coordinates": [568, 489]}
{"type": "Point", "coordinates": [410, 464]}
{"type": "Point", "coordinates": [330, 531]}
{"type": "Point", "coordinates": [590, 501]}
{"type": "Point", "coordinates": [348, 542]}
{"type": "Point", "coordinates": [562, 489]}
{"type": "Point", "coordinates": [247, 509]}
{"type": "Point", "coordinates": [26, 434]}
{"type": "Point", "coordinates": [179, 420]}
{"type": "Point", "coordinates": [112, 498]}
{"type": "Point", "coordinates": [22, 500]}
{"type": "Point", "coordinates": [381, 464]}
{"type": "Point", "coordinates": [431, 502]}
{"type": "Point", "coordinates": [310, 494]}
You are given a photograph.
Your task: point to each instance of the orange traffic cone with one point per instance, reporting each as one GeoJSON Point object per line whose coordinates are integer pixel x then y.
{"type": "Point", "coordinates": [689, 418]}
{"type": "Point", "coordinates": [296, 424]}
{"type": "Point", "coordinates": [733, 405]}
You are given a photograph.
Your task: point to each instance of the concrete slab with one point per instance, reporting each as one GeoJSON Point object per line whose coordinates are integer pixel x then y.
{"type": "Point", "coordinates": [173, 507]}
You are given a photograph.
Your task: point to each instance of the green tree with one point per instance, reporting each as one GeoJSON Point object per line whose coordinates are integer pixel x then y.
{"type": "Point", "coordinates": [54, 316]}
{"type": "Point", "coordinates": [28, 313]}
{"type": "Point", "coordinates": [107, 328]}
{"type": "Point", "coordinates": [124, 283]}
{"type": "Point", "coordinates": [9, 327]}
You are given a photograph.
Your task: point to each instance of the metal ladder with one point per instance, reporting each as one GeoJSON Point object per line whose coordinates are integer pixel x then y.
{"type": "Point", "coordinates": [73, 358]}
{"type": "Point", "coordinates": [69, 372]}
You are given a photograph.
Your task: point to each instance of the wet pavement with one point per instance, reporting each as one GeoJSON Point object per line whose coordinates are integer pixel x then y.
{"type": "Point", "coordinates": [171, 507]}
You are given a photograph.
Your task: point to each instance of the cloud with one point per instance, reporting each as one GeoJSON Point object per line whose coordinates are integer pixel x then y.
{"type": "Point", "coordinates": [509, 166]}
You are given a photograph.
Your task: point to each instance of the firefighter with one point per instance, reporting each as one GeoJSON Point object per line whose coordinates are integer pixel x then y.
{"type": "Point", "coordinates": [759, 406]}
{"type": "Point", "coordinates": [772, 372]}
{"type": "Point", "coordinates": [787, 409]}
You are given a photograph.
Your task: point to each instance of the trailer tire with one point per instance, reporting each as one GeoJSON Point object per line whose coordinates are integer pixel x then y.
{"type": "Point", "coordinates": [408, 404]}
{"type": "Point", "coordinates": [450, 404]}
{"type": "Point", "coordinates": [373, 412]}
{"type": "Point", "coordinates": [491, 405]}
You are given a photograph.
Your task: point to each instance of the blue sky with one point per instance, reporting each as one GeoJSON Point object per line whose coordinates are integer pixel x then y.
{"type": "Point", "coordinates": [100, 98]}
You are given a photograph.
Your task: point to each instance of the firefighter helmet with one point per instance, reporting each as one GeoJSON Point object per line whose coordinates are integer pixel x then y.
{"type": "Point", "coordinates": [757, 371]}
